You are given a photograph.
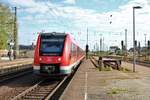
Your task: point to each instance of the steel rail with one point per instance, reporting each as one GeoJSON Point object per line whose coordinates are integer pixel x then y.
{"type": "Point", "coordinates": [27, 91]}
{"type": "Point", "coordinates": [46, 96]}
{"type": "Point", "coordinates": [15, 75]}
{"type": "Point", "coordinates": [56, 88]}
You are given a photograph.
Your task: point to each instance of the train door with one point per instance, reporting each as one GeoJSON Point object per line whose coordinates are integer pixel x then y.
{"type": "Point", "coordinates": [71, 53]}
{"type": "Point", "coordinates": [77, 48]}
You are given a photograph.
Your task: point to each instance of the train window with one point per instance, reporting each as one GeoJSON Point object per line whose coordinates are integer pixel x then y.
{"type": "Point", "coordinates": [72, 49]}
{"type": "Point", "coordinates": [51, 45]}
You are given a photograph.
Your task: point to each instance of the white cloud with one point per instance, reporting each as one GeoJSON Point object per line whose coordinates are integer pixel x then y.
{"type": "Point", "coordinates": [70, 1]}
{"type": "Point", "coordinates": [27, 18]}
{"type": "Point", "coordinates": [30, 6]}
{"type": "Point", "coordinates": [24, 3]}
{"type": "Point", "coordinates": [74, 19]}
{"type": "Point", "coordinates": [121, 20]}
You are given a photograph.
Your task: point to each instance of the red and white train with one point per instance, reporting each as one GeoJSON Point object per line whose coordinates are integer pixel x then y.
{"type": "Point", "coordinates": [56, 54]}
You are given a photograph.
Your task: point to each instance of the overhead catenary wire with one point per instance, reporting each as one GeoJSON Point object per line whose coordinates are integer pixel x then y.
{"type": "Point", "coordinates": [56, 16]}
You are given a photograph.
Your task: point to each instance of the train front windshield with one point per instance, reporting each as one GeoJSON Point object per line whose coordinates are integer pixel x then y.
{"type": "Point", "coordinates": [51, 45]}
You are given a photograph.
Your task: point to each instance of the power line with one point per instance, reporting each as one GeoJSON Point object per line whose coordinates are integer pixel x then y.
{"type": "Point", "coordinates": [56, 17]}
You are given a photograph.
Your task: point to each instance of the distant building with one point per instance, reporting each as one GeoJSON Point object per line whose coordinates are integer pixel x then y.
{"type": "Point", "coordinates": [114, 49]}
{"type": "Point", "coordinates": [26, 47]}
{"type": "Point", "coordinates": [140, 50]}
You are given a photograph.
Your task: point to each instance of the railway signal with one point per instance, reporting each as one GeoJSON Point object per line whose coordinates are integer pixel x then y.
{"type": "Point", "coordinates": [135, 42]}
{"type": "Point", "coordinates": [148, 48]}
{"type": "Point", "coordinates": [122, 45]}
{"type": "Point", "coordinates": [86, 50]}
{"type": "Point", "coordinates": [10, 51]}
{"type": "Point", "coordinates": [148, 45]}
{"type": "Point", "coordinates": [87, 47]}
{"type": "Point", "coordinates": [139, 48]}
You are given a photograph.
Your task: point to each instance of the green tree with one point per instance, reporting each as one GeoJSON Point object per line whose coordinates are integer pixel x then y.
{"type": "Point", "coordinates": [6, 25]}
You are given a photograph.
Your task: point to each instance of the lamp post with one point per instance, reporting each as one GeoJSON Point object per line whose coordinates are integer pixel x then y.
{"type": "Point", "coordinates": [134, 60]}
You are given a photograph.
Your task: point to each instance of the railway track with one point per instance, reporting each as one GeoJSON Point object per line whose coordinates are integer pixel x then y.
{"type": "Point", "coordinates": [15, 86]}
{"type": "Point", "coordinates": [12, 75]}
{"type": "Point", "coordinates": [9, 71]}
{"type": "Point", "coordinates": [46, 89]}
{"type": "Point", "coordinates": [38, 89]}
{"type": "Point", "coordinates": [4, 70]}
{"type": "Point", "coordinates": [43, 90]}
{"type": "Point", "coordinates": [94, 61]}
{"type": "Point", "coordinates": [143, 63]}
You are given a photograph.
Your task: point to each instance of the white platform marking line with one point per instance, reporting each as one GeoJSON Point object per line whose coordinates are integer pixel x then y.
{"type": "Point", "coordinates": [85, 96]}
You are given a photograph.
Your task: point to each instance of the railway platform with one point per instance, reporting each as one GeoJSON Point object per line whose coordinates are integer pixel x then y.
{"type": "Point", "coordinates": [9, 64]}
{"type": "Point", "coordinates": [91, 84]}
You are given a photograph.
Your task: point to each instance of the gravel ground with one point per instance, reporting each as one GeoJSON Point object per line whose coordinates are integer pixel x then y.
{"type": "Point", "coordinates": [17, 85]}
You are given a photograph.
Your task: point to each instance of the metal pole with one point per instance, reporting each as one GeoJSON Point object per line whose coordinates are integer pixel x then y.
{"type": "Point", "coordinates": [87, 36]}
{"type": "Point", "coordinates": [145, 39]}
{"type": "Point", "coordinates": [134, 61]}
{"type": "Point", "coordinates": [15, 34]}
{"type": "Point", "coordinates": [126, 44]}
{"type": "Point", "coordinates": [100, 45]}
{"type": "Point", "coordinates": [87, 45]}
{"type": "Point", "coordinates": [103, 44]}
{"type": "Point", "coordinates": [145, 46]}
{"type": "Point", "coordinates": [100, 42]}
{"type": "Point", "coordinates": [134, 49]}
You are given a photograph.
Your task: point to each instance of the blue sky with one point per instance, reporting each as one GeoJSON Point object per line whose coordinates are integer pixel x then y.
{"type": "Point", "coordinates": [75, 16]}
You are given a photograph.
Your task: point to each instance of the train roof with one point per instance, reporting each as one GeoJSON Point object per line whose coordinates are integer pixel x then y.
{"type": "Point", "coordinates": [59, 34]}
{"type": "Point", "coordinates": [53, 33]}
{"type": "Point", "coordinates": [72, 38]}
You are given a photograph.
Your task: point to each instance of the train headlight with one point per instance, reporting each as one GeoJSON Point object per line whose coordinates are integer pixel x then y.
{"type": "Point", "coordinates": [40, 59]}
{"type": "Point", "coordinates": [59, 59]}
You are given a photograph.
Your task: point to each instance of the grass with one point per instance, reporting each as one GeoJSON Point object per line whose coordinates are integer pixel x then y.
{"type": "Point", "coordinates": [107, 68]}
{"type": "Point", "coordinates": [103, 82]}
{"type": "Point", "coordinates": [116, 90]}
{"type": "Point", "coordinates": [124, 69]}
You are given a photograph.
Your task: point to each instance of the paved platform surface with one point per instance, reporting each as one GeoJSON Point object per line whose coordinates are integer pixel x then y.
{"type": "Point", "coordinates": [91, 84]}
{"type": "Point", "coordinates": [6, 64]}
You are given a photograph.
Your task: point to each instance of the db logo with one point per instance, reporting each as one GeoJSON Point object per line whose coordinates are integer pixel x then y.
{"type": "Point", "coordinates": [49, 59]}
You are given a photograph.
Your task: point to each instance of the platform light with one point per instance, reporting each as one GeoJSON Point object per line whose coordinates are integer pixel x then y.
{"type": "Point", "coordinates": [134, 60]}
